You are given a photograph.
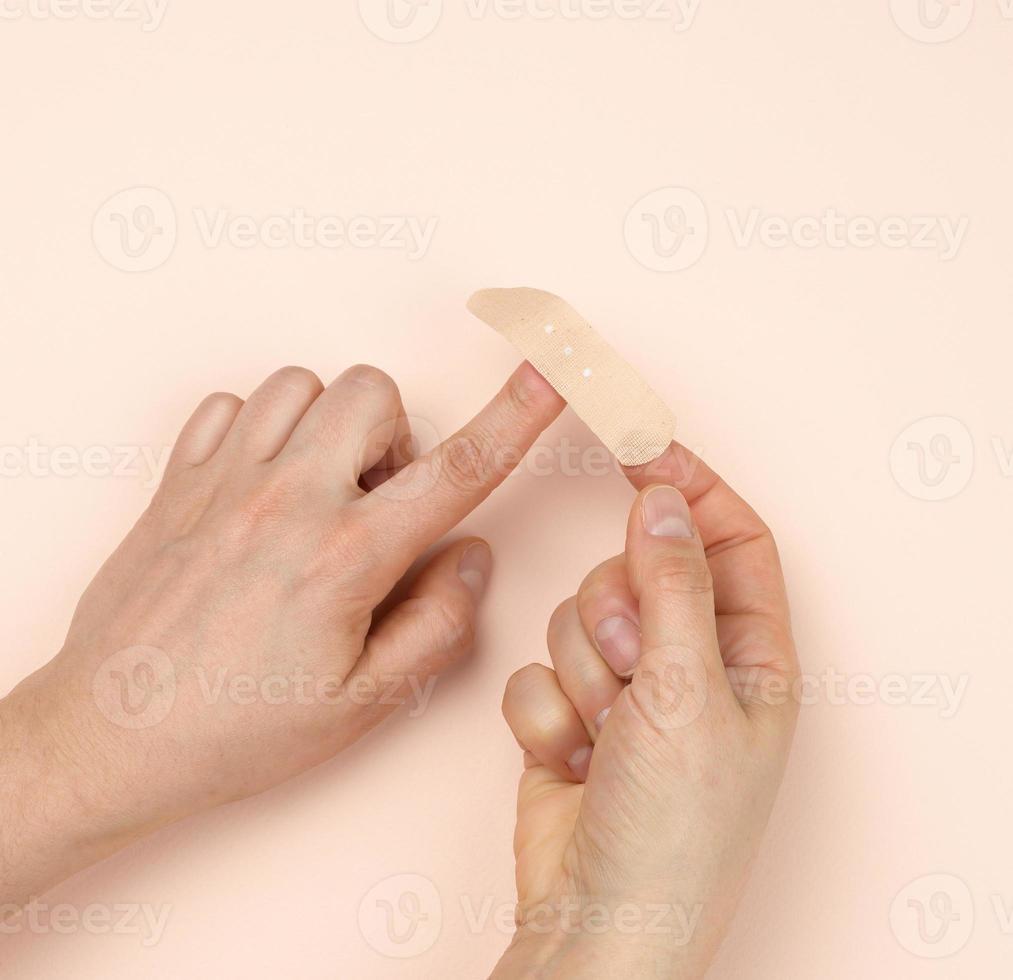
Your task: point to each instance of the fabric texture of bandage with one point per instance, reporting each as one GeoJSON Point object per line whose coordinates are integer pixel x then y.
{"type": "Point", "coordinates": [607, 394]}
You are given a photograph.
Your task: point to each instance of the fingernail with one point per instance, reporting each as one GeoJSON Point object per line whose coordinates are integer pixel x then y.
{"type": "Point", "coordinates": [619, 642]}
{"type": "Point", "coordinates": [666, 514]}
{"type": "Point", "coordinates": [599, 721]}
{"type": "Point", "coordinates": [580, 762]}
{"type": "Point", "coordinates": [474, 568]}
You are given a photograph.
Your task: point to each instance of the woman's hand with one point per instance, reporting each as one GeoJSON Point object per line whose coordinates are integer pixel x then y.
{"type": "Point", "coordinates": [655, 748]}
{"type": "Point", "coordinates": [234, 638]}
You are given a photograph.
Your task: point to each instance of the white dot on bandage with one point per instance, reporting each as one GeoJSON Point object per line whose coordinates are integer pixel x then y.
{"type": "Point", "coordinates": [620, 407]}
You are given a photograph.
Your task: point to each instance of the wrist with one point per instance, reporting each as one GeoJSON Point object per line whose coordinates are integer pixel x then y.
{"type": "Point", "coordinates": [61, 808]}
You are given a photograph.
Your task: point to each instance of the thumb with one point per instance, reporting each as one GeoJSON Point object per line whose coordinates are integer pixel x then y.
{"type": "Point", "coordinates": [680, 672]}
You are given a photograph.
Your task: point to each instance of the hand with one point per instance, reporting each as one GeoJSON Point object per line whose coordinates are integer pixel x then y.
{"type": "Point", "coordinates": [234, 638]}
{"type": "Point", "coordinates": [654, 749]}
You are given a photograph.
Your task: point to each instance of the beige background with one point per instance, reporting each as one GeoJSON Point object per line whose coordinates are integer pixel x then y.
{"type": "Point", "coordinates": [534, 142]}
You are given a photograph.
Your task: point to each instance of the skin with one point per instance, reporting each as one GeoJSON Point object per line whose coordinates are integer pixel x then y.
{"type": "Point", "coordinates": [261, 555]}
{"type": "Point", "coordinates": [288, 549]}
{"type": "Point", "coordinates": [651, 765]}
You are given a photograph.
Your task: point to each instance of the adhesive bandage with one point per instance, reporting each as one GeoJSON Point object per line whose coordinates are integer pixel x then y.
{"type": "Point", "coordinates": [607, 394]}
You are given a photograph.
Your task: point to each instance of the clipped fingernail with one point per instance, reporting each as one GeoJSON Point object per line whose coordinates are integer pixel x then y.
{"type": "Point", "coordinates": [666, 514]}
{"type": "Point", "coordinates": [599, 721]}
{"type": "Point", "coordinates": [474, 568]}
{"type": "Point", "coordinates": [580, 762]}
{"type": "Point", "coordinates": [619, 642]}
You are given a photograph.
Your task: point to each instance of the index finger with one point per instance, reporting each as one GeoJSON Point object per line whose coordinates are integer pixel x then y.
{"type": "Point", "coordinates": [434, 493]}
{"type": "Point", "coordinates": [740, 548]}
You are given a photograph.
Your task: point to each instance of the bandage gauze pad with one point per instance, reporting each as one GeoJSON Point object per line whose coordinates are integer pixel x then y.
{"type": "Point", "coordinates": [606, 393]}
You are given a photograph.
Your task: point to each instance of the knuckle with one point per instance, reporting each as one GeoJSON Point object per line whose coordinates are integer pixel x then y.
{"type": "Point", "coordinates": [270, 499]}
{"type": "Point", "coordinates": [548, 725]}
{"type": "Point", "coordinates": [681, 574]}
{"type": "Point", "coordinates": [466, 460]}
{"type": "Point", "coordinates": [346, 547]}
{"type": "Point", "coordinates": [520, 398]}
{"type": "Point", "coordinates": [601, 582]}
{"type": "Point", "coordinates": [452, 624]}
{"type": "Point", "coordinates": [523, 680]}
{"type": "Point", "coordinates": [560, 615]}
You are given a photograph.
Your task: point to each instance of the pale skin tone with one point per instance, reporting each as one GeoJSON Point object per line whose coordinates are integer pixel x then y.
{"type": "Point", "coordinates": [295, 541]}
{"type": "Point", "coordinates": [654, 748]}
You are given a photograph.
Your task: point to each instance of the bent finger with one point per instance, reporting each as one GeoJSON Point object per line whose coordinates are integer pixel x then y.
{"type": "Point", "coordinates": [434, 493]}
{"type": "Point", "coordinates": [204, 431]}
{"type": "Point", "coordinates": [431, 629]}
{"type": "Point", "coordinates": [584, 677]}
{"type": "Point", "coordinates": [611, 615]}
{"type": "Point", "coordinates": [545, 723]}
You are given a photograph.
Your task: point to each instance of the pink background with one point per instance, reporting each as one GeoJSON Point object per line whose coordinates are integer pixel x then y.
{"type": "Point", "coordinates": [793, 370]}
